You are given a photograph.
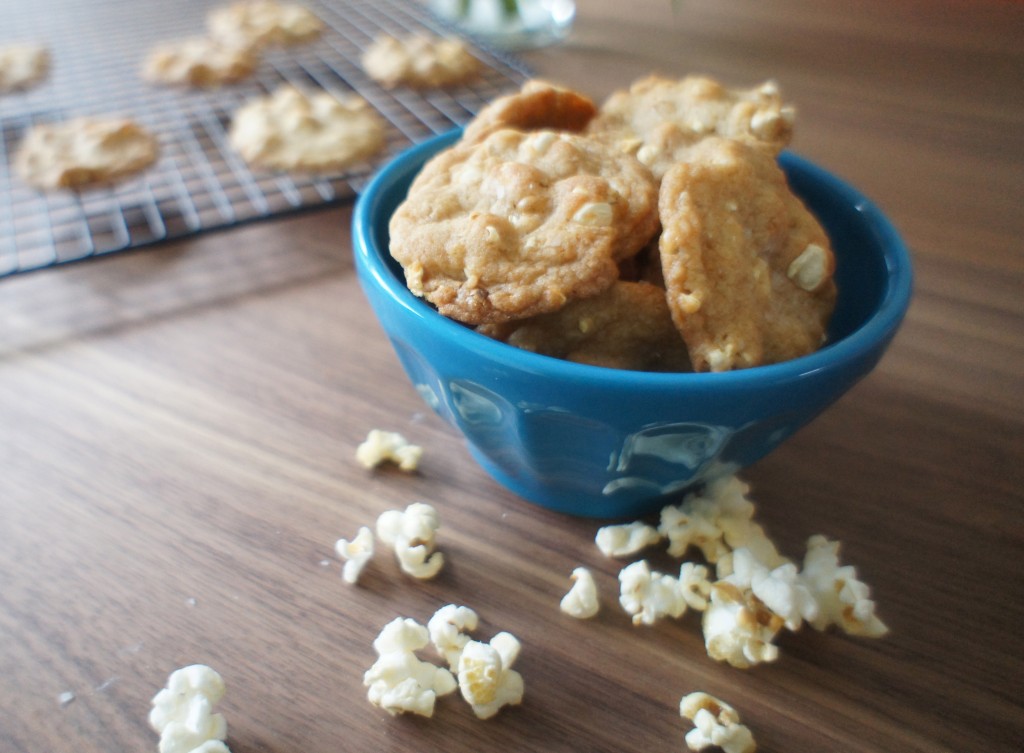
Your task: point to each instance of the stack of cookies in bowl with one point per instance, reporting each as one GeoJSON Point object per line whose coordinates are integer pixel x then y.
{"type": "Point", "coordinates": [656, 232]}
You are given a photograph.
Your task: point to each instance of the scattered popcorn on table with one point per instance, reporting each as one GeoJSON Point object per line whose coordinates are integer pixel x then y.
{"type": "Point", "coordinates": [412, 535]}
{"type": "Point", "coordinates": [626, 539]}
{"type": "Point", "coordinates": [738, 628]}
{"type": "Point", "coordinates": [448, 628]}
{"type": "Point", "coordinates": [758, 591]}
{"type": "Point", "coordinates": [356, 553]}
{"type": "Point", "coordinates": [843, 600]}
{"type": "Point", "coordinates": [694, 585]}
{"type": "Point", "coordinates": [781, 590]}
{"type": "Point", "coordinates": [716, 723]}
{"type": "Point", "coordinates": [486, 678]}
{"type": "Point", "coordinates": [693, 523]}
{"type": "Point", "coordinates": [383, 446]}
{"type": "Point", "coordinates": [649, 596]}
{"type": "Point", "coordinates": [182, 713]}
{"type": "Point", "coordinates": [581, 601]}
{"type": "Point", "coordinates": [399, 681]}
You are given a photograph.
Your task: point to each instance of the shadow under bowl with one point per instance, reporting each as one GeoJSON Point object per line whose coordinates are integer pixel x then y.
{"type": "Point", "coordinates": [611, 443]}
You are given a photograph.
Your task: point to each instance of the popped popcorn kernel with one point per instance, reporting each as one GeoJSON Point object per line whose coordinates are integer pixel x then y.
{"type": "Point", "coordinates": [581, 601]}
{"type": "Point", "coordinates": [716, 723]}
{"type": "Point", "coordinates": [384, 446]}
{"type": "Point", "coordinates": [626, 539]}
{"type": "Point", "coordinates": [448, 628]}
{"type": "Point", "coordinates": [182, 713]}
{"type": "Point", "coordinates": [780, 589]}
{"type": "Point", "coordinates": [486, 678]}
{"type": "Point", "coordinates": [842, 598]}
{"type": "Point", "coordinates": [694, 585]}
{"type": "Point", "coordinates": [744, 533]}
{"type": "Point", "coordinates": [355, 553]}
{"type": "Point", "coordinates": [693, 523]}
{"type": "Point", "coordinates": [411, 533]}
{"type": "Point", "coordinates": [399, 681]}
{"type": "Point", "coordinates": [648, 596]}
{"type": "Point", "coordinates": [401, 635]}
{"type": "Point", "coordinates": [739, 628]}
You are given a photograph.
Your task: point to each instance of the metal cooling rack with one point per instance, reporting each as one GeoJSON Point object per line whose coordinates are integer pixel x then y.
{"type": "Point", "coordinates": [199, 183]}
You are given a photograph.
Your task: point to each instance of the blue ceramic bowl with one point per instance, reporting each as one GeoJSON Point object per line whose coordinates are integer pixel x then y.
{"type": "Point", "coordinates": [612, 443]}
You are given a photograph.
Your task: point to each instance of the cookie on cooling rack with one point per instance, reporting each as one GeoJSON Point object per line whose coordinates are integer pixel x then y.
{"type": "Point", "coordinates": [290, 130]}
{"type": "Point", "coordinates": [658, 118]}
{"type": "Point", "coordinates": [84, 152]}
{"type": "Point", "coordinates": [22, 66]}
{"type": "Point", "coordinates": [419, 60]}
{"type": "Point", "coordinates": [747, 267]}
{"type": "Point", "coordinates": [198, 61]}
{"type": "Point", "coordinates": [521, 223]}
{"type": "Point", "coordinates": [255, 23]}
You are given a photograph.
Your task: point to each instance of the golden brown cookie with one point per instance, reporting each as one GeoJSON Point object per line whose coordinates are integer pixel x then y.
{"type": "Point", "coordinates": [748, 269]}
{"type": "Point", "coordinates": [289, 130]}
{"type": "Point", "coordinates": [628, 326]}
{"type": "Point", "coordinates": [22, 66]}
{"type": "Point", "coordinates": [198, 61]}
{"type": "Point", "coordinates": [255, 23]}
{"type": "Point", "coordinates": [658, 119]}
{"type": "Point", "coordinates": [521, 223]}
{"type": "Point", "coordinates": [84, 152]}
{"type": "Point", "coordinates": [419, 60]}
{"type": "Point", "coordinates": [537, 105]}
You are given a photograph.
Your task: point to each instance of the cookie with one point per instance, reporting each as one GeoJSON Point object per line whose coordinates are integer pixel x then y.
{"type": "Point", "coordinates": [659, 119]}
{"type": "Point", "coordinates": [628, 326]}
{"type": "Point", "coordinates": [537, 105]}
{"type": "Point", "coordinates": [198, 61]}
{"type": "Point", "coordinates": [84, 152]}
{"type": "Point", "coordinates": [420, 61]}
{"type": "Point", "coordinates": [644, 266]}
{"type": "Point", "coordinates": [289, 130]}
{"type": "Point", "coordinates": [747, 267]}
{"type": "Point", "coordinates": [521, 223]}
{"type": "Point", "coordinates": [22, 66]}
{"type": "Point", "coordinates": [259, 23]}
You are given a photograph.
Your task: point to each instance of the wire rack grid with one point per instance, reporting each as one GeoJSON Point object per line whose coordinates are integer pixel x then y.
{"type": "Point", "coordinates": [199, 183]}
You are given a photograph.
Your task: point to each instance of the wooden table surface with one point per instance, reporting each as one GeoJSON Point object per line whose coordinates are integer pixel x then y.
{"type": "Point", "coordinates": [178, 427]}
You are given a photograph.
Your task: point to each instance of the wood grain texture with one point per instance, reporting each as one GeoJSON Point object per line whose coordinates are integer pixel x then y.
{"type": "Point", "coordinates": [177, 429]}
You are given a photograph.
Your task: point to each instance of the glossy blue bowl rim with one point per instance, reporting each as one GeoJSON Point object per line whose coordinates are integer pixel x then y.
{"type": "Point", "coordinates": [877, 328]}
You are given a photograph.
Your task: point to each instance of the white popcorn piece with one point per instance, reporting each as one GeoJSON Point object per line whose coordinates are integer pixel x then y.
{"type": "Point", "coordinates": [448, 628]}
{"type": "Point", "coordinates": [581, 601]}
{"type": "Point", "coordinates": [399, 681]}
{"type": "Point", "coordinates": [736, 519]}
{"type": "Point", "coordinates": [626, 539]}
{"type": "Point", "coordinates": [182, 713]}
{"type": "Point", "coordinates": [740, 533]}
{"type": "Point", "coordinates": [693, 523]}
{"type": "Point", "coordinates": [842, 598]}
{"type": "Point", "coordinates": [355, 553]}
{"type": "Point", "coordinates": [716, 723]}
{"type": "Point", "coordinates": [648, 596]}
{"type": "Point", "coordinates": [384, 446]}
{"type": "Point", "coordinates": [411, 533]}
{"type": "Point", "coordinates": [694, 585]}
{"type": "Point", "coordinates": [717, 520]}
{"type": "Point", "coordinates": [738, 628]}
{"type": "Point", "coordinates": [486, 678]}
{"type": "Point", "coordinates": [781, 589]}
